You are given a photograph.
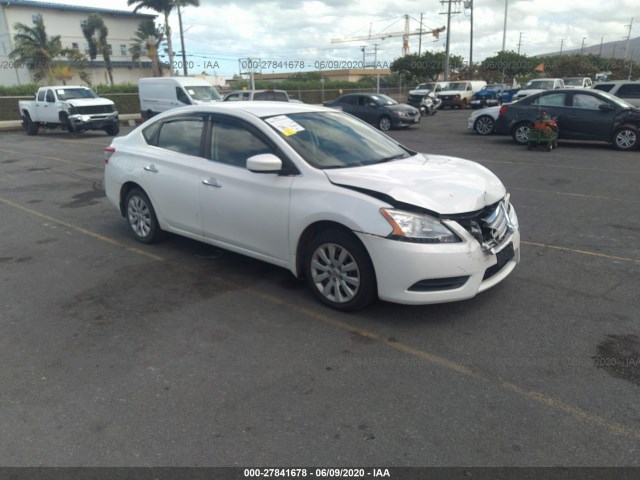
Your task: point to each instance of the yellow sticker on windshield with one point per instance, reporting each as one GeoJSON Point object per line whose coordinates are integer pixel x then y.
{"type": "Point", "coordinates": [285, 125]}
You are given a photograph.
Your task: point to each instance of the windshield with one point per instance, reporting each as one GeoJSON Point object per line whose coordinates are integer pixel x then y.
{"type": "Point", "coordinates": [456, 86]}
{"type": "Point", "coordinates": [425, 86]}
{"type": "Point", "coordinates": [70, 93]}
{"type": "Point", "coordinates": [573, 82]}
{"type": "Point", "coordinates": [493, 86]}
{"type": "Point", "coordinates": [202, 93]}
{"type": "Point", "coordinates": [539, 84]}
{"type": "Point", "coordinates": [335, 140]}
{"type": "Point", "coordinates": [618, 101]}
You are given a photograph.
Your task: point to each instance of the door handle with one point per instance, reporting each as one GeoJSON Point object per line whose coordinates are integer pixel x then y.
{"type": "Point", "coordinates": [151, 168]}
{"type": "Point", "coordinates": [211, 182]}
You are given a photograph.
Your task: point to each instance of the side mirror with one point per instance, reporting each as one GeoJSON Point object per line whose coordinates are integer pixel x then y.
{"type": "Point", "coordinates": [264, 163]}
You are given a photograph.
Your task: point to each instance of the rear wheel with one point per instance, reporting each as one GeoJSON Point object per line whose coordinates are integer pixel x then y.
{"type": "Point", "coordinates": [339, 272]}
{"type": "Point", "coordinates": [484, 125]}
{"type": "Point", "coordinates": [520, 133]}
{"type": "Point", "coordinates": [141, 216]}
{"type": "Point", "coordinates": [626, 138]}
{"type": "Point", "coordinates": [29, 126]}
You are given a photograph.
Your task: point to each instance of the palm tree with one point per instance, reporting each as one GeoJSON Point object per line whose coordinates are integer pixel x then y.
{"type": "Point", "coordinates": [35, 49]}
{"type": "Point", "coordinates": [164, 7]}
{"type": "Point", "coordinates": [98, 44]}
{"type": "Point", "coordinates": [146, 44]}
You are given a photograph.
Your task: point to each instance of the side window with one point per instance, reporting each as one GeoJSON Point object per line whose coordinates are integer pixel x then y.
{"type": "Point", "coordinates": [605, 87]}
{"type": "Point", "coordinates": [182, 97]}
{"type": "Point", "coordinates": [182, 135]}
{"type": "Point", "coordinates": [50, 96]}
{"type": "Point", "coordinates": [232, 97]}
{"type": "Point", "coordinates": [150, 132]}
{"type": "Point", "coordinates": [553, 99]}
{"type": "Point", "coordinates": [589, 102]}
{"type": "Point", "coordinates": [629, 90]}
{"type": "Point", "coordinates": [232, 144]}
{"type": "Point", "coordinates": [41, 95]}
{"type": "Point", "coordinates": [350, 100]}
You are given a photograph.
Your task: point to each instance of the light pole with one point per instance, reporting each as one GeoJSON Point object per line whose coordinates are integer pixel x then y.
{"type": "Point", "coordinates": [582, 48]}
{"type": "Point", "coordinates": [504, 29]}
{"type": "Point", "coordinates": [184, 53]}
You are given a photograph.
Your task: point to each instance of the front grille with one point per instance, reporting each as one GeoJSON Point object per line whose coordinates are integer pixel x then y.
{"type": "Point", "coordinates": [491, 226]}
{"type": "Point", "coordinates": [415, 99]}
{"type": "Point", "coordinates": [95, 109]}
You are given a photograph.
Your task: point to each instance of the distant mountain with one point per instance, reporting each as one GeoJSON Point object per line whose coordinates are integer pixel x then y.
{"type": "Point", "coordinates": [609, 50]}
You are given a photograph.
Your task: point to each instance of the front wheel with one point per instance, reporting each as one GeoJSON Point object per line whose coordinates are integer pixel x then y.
{"type": "Point", "coordinates": [626, 138]}
{"type": "Point", "coordinates": [384, 123]}
{"type": "Point", "coordinates": [520, 133]}
{"type": "Point", "coordinates": [339, 272]}
{"type": "Point", "coordinates": [113, 129]}
{"type": "Point", "coordinates": [484, 125]}
{"type": "Point", "coordinates": [141, 216]}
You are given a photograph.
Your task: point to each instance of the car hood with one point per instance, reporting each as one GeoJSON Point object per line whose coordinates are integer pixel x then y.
{"type": "Point", "coordinates": [89, 102]}
{"type": "Point", "coordinates": [419, 92]}
{"type": "Point", "coordinates": [441, 184]}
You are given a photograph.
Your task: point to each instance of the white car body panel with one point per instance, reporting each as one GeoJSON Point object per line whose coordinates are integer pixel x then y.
{"type": "Point", "coordinates": [263, 215]}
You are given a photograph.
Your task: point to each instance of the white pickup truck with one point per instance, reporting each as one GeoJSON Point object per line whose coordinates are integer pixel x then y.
{"type": "Point", "coordinates": [75, 108]}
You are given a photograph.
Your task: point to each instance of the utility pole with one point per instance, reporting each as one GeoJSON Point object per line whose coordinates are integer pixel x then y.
{"type": "Point", "coordinates": [375, 62]}
{"type": "Point", "coordinates": [626, 50]}
{"type": "Point", "coordinates": [600, 52]}
{"type": "Point", "coordinates": [420, 37]}
{"type": "Point", "coordinates": [469, 4]}
{"type": "Point", "coordinates": [446, 53]}
{"type": "Point", "coordinates": [561, 44]}
{"type": "Point", "coordinates": [364, 61]}
{"type": "Point", "coordinates": [519, 42]}
{"type": "Point", "coordinates": [582, 48]}
{"type": "Point", "coordinates": [504, 29]}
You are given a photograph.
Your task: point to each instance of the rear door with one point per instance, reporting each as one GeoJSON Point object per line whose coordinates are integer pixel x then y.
{"type": "Point", "coordinates": [555, 105]}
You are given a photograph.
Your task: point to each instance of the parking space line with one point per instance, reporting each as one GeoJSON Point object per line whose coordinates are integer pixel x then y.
{"type": "Point", "coordinates": [84, 231]}
{"type": "Point", "coordinates": [533, 395]}
{"type": "Point", "coordinates": [49, 157]}
{"type": "Point", "coordinates": [578, 195]}
{"type": "Point", "coordinates": [582, 252]}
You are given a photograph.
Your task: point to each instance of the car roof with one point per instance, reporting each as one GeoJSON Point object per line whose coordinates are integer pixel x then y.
{"type": "Point", "coordinates": [257, 108]}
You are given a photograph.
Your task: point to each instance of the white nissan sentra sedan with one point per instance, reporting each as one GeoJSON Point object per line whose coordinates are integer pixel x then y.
{"type": "Point", "coordinates": [321, 193]}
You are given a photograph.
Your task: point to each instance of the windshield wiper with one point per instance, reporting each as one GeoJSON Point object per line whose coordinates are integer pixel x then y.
{"type": "Point", "coordinates": [392, 157]}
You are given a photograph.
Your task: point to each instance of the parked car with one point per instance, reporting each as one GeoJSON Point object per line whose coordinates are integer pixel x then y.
{"type": "Point", "coordinates": [577, 82]}
{"type": "Point", "coordinates": [627, 90]}
{"type": "Point", "coordinates": [321, 193]}
{"type": "Point", "coordinates": [264, 95]}
{"type": "Point", "coordinates": [539, 85]}
{"type": "Point", "coordinates": [492, 95]}
{"type": "Point", "coordinates": [584, 114]}
{"type": "Point", "coordinates": [417, 95]}
{"type": "Point", "coordinates": [74, 108]}
{"type": "Point", "coordinates": [483, 121]}
{"type": "Point", "coordinates": [377, 109]}
{"type": "Point", "coordinates": [159, 94]}
{"type": "Point", "coordinates": [459, 94]}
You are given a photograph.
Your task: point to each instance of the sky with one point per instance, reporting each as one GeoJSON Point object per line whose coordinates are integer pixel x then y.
{"type": "Point", "coordinates": [220, 32]}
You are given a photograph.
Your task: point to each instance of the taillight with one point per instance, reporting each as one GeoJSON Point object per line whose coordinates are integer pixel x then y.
{"type": "Point", "coordinates": [107, 154]}
{"type": "Point", "coordinates": [502, 110]}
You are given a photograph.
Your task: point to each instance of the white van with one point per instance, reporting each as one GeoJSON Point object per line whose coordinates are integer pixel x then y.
{"type": "Point", "coordinates": [158, 94]}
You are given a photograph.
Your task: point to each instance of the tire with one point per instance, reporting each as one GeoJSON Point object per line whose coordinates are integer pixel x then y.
{"type": "Point", "coordinates": [64, 121]}
{"type": "Point", "coordinates": [520, 133]}
{"type": "Point", "coordinates": [113, 129]}
{"type": "Point", "coordinates": [626, 138]}
{"type": "Point", "coordinates": [141, 216]}
{"type": "Point", "coordinates": [384, 123]}
{"type": "Point", "coordinates": [484, 125]}
{"type": "Point", "coordinates": [339, 272]}
{"type": "Point", "coordinates": [29, 126]}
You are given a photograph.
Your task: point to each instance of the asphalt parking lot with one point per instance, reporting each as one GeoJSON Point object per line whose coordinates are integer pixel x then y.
{"type": "Point", "coordinates": [115, 353]}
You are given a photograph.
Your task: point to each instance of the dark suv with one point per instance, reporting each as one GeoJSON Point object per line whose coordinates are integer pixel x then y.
{"type": "Point", "coordinates": [582, 114]}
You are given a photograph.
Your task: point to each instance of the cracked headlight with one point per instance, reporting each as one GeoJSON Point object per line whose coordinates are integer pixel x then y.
{"type": "Point", "coordinates": [417, 227]}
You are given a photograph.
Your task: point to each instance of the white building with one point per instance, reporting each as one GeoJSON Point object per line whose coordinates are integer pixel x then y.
{"type": "Point", "coordinates": [66, 21]}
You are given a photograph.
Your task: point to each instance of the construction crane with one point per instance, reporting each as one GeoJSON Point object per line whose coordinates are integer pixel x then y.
{"type": "Point", "coordinates": [405, 36]}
